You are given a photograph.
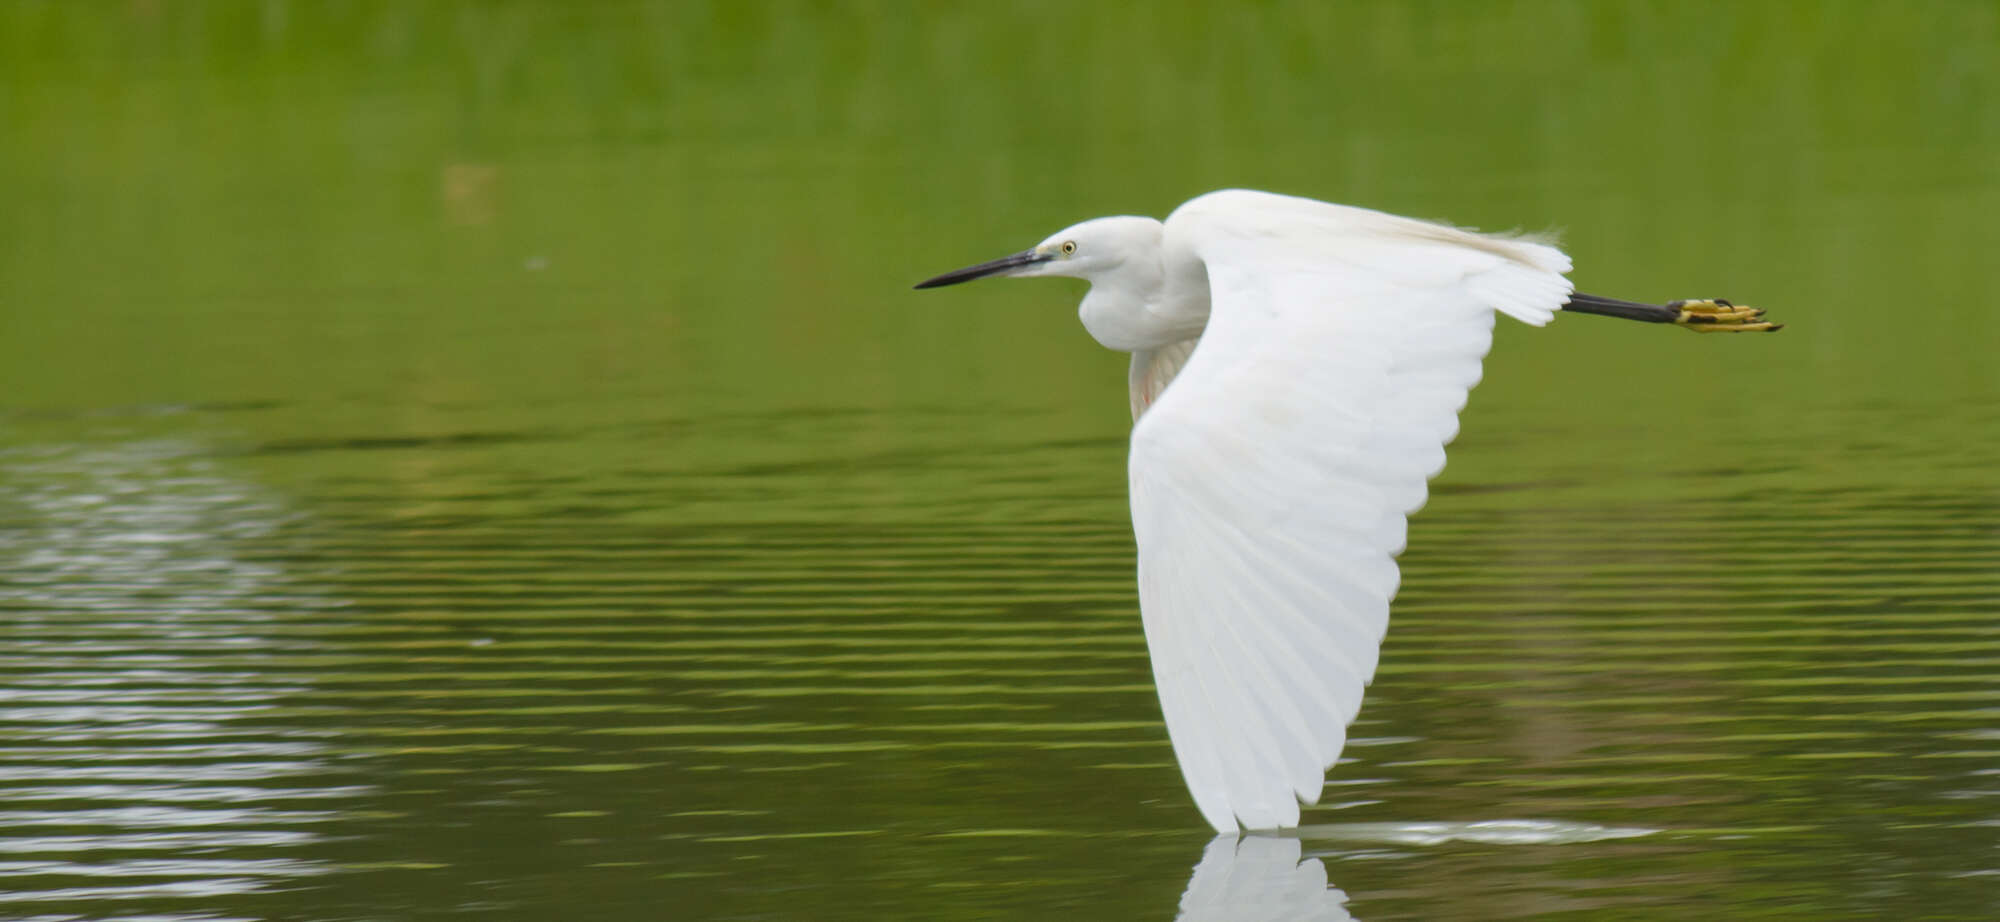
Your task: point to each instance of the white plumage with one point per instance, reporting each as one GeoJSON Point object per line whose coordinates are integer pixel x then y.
{"type": "Point", "coordinates": [1275, 458]}
{"type": "Point", "coordinates": [1271, 482]}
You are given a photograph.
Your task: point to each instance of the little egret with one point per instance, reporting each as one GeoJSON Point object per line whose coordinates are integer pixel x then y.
{"type": "Point", "coordinates": [1297, 368]}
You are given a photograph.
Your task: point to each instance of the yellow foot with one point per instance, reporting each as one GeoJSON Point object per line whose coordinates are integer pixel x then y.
{"type": "Point", "coordinates": [1718, 316]}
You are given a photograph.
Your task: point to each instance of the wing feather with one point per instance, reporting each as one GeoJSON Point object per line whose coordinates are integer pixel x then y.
{"type": "Point", "coordinates": [1271, 483]}
{"type": "Point", "coordinates": [1153, 370]}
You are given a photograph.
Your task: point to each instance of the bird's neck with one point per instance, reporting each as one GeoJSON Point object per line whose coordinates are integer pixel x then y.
{"type": "Point", "coordinates": [1146, 306]}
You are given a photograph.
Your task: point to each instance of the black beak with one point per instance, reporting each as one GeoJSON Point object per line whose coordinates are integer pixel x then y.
{"type": "Point", "coordinates": [967, 274]}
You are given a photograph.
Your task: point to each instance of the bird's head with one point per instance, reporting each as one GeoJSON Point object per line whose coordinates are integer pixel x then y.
{"type": "Point", "coordinates": [1091, 250]}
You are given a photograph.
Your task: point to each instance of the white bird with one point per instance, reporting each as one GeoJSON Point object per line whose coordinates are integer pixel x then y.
{"type": "Point", "coordinates": [1297, 368]}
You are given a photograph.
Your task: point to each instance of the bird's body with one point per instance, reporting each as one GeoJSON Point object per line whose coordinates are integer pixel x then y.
{"type": "Point", "coordinates": [1297, 368]}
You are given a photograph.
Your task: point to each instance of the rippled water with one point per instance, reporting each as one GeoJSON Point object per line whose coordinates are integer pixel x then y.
{"type": "Point", "coordinates": [485, 460]}
{"type": "Point", "coordinates": [505, 698]}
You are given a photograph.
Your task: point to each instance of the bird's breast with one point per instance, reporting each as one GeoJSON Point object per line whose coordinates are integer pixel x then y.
{"type": "Point", "coordinates": [1130, 324]}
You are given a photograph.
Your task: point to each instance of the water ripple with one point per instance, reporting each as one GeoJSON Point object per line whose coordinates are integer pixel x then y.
{"type": "Point", "coordinates": [129, 585]}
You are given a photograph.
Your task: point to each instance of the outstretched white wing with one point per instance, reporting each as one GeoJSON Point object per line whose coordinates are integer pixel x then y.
{"type": "Point", "coordinates": [1271, 482]}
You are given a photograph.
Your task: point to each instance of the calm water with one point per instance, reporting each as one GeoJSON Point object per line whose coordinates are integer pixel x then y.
{"type": "Point", "coordinates": [485, 460]}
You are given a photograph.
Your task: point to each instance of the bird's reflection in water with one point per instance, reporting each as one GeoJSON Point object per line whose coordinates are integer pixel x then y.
{"type": "Point", "coordinates": [1258, 878]}
{"type": "Point", "coordinates": [1261, 877]}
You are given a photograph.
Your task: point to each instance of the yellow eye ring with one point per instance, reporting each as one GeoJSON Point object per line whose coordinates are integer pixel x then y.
{"type": "Point", "coordinates": [1068, 247]}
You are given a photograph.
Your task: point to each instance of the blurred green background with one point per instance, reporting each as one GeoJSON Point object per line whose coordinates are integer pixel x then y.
{"type": "Point", "coordinates": [707, 188]}
{"type": "Point", "coordinates": [528, 399]}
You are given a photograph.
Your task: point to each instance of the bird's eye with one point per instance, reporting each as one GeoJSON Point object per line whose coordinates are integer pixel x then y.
{"type": "Point", "coordinates": [1068, 247]}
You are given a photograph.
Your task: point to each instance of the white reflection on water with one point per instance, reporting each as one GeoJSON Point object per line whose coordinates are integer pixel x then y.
{"type": "Point", "coordinates": [1260, 878]}
{"type": "Point", "coordinates": [1485, 832]}
{"type": "Point", "coordinates": [1265, 876]}
{"type": "Point", "coordinates": [139, 596]}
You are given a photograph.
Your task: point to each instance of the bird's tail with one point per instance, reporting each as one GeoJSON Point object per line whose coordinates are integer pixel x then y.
{"type": "Point", "coordinates": [1705, 315]}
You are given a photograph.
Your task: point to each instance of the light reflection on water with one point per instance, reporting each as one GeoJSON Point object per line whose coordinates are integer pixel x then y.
{"type": "Point", "coordinates": [153, 774]}
{"type": "Point", "coordinates": [1261, 876]}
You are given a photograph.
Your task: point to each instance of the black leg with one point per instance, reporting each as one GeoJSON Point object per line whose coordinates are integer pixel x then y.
{"type": "Point", "coordinates": [1702, 316]}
